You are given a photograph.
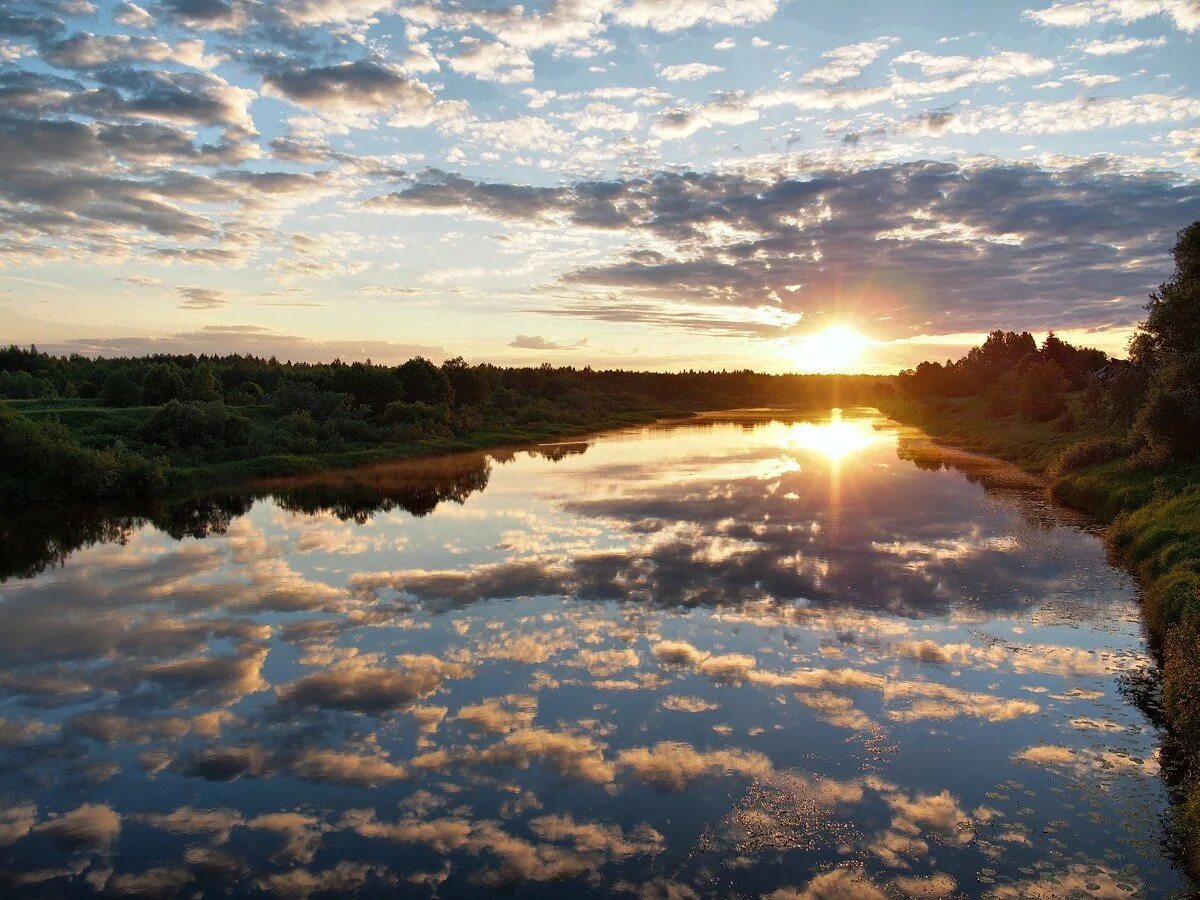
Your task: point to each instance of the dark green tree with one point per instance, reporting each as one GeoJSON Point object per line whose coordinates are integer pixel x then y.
{"type": "Point", "coordinates": [1169, 347]}
{"type": "Point", "coordinates": [162, 384]}
{"type": "Point", "coordinates": [423, 382]}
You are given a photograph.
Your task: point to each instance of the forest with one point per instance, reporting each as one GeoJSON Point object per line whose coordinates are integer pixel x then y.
{"type": "Point", "coordinates": [81, 428]}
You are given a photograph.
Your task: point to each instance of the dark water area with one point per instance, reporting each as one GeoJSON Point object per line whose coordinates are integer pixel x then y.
{"type": "Point", "coordinates": [746, 656]}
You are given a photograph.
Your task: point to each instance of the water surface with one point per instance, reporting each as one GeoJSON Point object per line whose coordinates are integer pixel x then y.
{"type": "Point", "coordinates": [755, 655]}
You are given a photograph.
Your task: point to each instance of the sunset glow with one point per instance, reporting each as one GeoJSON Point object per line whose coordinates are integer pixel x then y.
{"type": "Point", "coordinates": [834, 439]}
{"type": "Point", "coordinates": [837, 348]}
{"type": "Point", "coordinates": [646, 184]}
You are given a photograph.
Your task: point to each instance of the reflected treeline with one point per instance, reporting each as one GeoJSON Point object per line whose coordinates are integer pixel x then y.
{"type": "Point", "coordinates": [37, 540]}
{"type": "Point", "coordinates": [998, 479]}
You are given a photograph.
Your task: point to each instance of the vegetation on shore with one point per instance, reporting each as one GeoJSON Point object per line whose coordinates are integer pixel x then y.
{"type": "Point", "coordinates": [76, 428]}
{"type": "Point", "coordinates": [1119, 439]}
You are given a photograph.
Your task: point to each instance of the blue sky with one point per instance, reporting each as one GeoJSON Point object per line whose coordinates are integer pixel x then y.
{"type": "Point", "coordinates": [635, 183]}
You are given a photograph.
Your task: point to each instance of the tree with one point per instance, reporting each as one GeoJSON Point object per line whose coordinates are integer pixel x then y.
{"type": "Point", "coordinates": [204, 385]}
{"type": "Point", "coordinates": [1040, 389]}
{"type": "Point", "coordinates": [162, 384]}
{"type": "Point", "coordinates": [1169, 346]}
{"type": "Point", "coordinates": [423, 382]}
{"type": "Point", "coordinates": [120, 389]}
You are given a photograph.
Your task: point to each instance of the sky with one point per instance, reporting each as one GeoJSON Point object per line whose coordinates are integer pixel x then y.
{"type": "Point", "coordinates": [651, 184]}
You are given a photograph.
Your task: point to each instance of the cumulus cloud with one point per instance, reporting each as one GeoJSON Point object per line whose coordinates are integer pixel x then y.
{"type": "Point", "coordinates": [688, 71]}
{"type": "Point", "coordinates": [1121, 45]}
{"type": "Point", "coordinates": [132, 16]}
{"type": "Point", "coordinates": [371, 690]}
{"type": "Point", "coordinates": [89, 51]}
{"type": "Point", "coordinates": [843, 63]}
{"type": "Point", "coordinates": [673, 765]}
{"type": "Point", "coordinates": [492, 61]}
{"type": "Point", "coordinates": [991, 240]}
{"type": "Point", "coordinates": [1183, 13]}
{"type": "Point", "coordinates": [538, 342]}
{"type": "Point", "coordinates": [92, 825]}
{"type": "Point", "coordinates": [671, 15]}
{"type": "Point", "coordinates": [363, 86]}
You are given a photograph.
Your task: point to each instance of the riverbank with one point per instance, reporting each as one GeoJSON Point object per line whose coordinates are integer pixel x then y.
{"type": "Point", "coordinates": [1152, 524]}
{"type": "Point", "coordinates": [62, 464]}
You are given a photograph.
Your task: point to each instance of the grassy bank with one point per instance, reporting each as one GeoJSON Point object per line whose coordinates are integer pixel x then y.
{"type": "Point", "coordinates": [81, 446]}
{"type": "Point", "coordinates": [1153, 526]}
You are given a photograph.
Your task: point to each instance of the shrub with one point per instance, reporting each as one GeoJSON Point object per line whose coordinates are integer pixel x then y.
{"type": "Point", "coordinates": [120, 389]}
{"type": "Point", "coordinates": [410, 421]}
{"type": "Point", "coordinates": [162, 384]}
{"type": "Point", "coordinates": [196, 425]}
{"type": "Point", "coordinates": [1088, 452]}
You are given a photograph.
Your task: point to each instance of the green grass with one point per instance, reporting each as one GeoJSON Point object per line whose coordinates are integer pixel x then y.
{"type": "Point", "coordinates": [1153, 526]}
{"type": "Point", "coordinates": [228, 473]}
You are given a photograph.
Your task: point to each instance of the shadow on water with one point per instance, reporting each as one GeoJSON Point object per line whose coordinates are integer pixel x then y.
{"type": "Point", "coordinates": [42, 538]}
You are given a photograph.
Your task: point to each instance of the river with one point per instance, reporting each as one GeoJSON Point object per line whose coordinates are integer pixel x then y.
{"type": "Point", "coordinates": [756, 654]}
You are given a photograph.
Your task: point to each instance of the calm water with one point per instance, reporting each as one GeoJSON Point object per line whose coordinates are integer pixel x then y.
{"type": "Point", "coordinates": [719, 659]}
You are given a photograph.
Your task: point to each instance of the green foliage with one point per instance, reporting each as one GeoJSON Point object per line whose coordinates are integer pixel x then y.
{"type": "Point", "coordinates": [1090, 451]}
{"type": "Point", "coordinates": [162, 384]}
{"type": "Point", "coordinates": [1169, 420]}
{"type": "Point", "coordinates": [121, 388]}
{"type": "Point", "coordinates": [1039, 388]}
{"type": "Point", "coordinates": [203, 383]}
{"type": "Point", "coordinates": [417, 420]}
{"type": "Point", "coordinates": [423, 382]}
{"type": "Point", "coordinates": [44, 461]}
{"type": "Point", "coordinates": [25, 386]}
{"type": "Point", "coordinates": [196, 425]}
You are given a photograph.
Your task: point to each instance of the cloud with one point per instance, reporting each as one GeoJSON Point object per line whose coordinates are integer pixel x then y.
{"type": "Point", "coordinates": [249, 339]}
{"type": "Point", "coordinates": [492, 61]}
{"type": "Point", "coordinates": [347, 767]}
{"type": "Point", "coordinates": [89, 51]}
{"type": "Point", "coordinates": [671, 15]}
{"type": "Point", "coordinates": [369, 690]}
{"type": "Point", "coordinates": [673, 765]}
{"type": "Point", "coordinates": [688, 71]}
{"type": "Point", "coordinates": [537, 342]}
{"type": "Point", "coordinates": [220, 15]}
{"type": "Point", "coordinates": [984, 242]}
{"type": "Point", "coordinates": [844, 63]}
{"type": "Point", "coordinates": [132, 16]}
{"type": "Point", "coordinates": [1183, 13]}
{"type": "Point", "coordinates": [201, 298]}
{"type": "Point", "coordinates": [89, 826]}
{"type": "Point", "coordinates": [363, 86]}
{"type": "Point", "coordinates": [1118, 46]}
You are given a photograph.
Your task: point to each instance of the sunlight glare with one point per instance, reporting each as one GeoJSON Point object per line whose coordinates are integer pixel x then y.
{"type": "Point", "coordinates": [835, 439]}
{"type": "Point", "coordinates": [836, 349]}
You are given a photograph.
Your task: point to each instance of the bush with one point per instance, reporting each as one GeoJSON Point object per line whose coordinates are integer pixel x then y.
{"type": "Point", "coordinates": [162, 384]}
{"type": "Point", "coordinates": [411, 421]}
{"type": "Point", "coordinates": [1088, 452]}
{"type": "Point", "coordinates": [120, 389]}
{"type": "Point", "coordinates": [44, 461]}
{"type": "Point", "coordinates": [196, 425]}
{"type": "Point", "coordinates": [1040, 389]}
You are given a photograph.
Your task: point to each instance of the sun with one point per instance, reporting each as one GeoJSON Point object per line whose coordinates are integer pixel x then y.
{"type": "Point", "coordinates": [835, 349]}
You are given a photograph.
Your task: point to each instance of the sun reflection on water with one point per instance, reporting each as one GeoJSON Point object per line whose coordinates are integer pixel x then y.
{"type": "Point", "coordinates": [835, 439]}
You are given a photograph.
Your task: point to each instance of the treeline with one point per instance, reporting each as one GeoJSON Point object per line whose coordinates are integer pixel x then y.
{"type": "Point", "coordinates": [77, 427]}
{"type": "Point", "coordinates": [1015, 376]}
{"type": "Point", "coordinates": [1149, 402]}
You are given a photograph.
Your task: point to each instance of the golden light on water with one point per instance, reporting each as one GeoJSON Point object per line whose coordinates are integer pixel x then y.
{"type": "Point", "coordinates": [836, 349]}
{"type": "Point", "coordinates": [835, 439]}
